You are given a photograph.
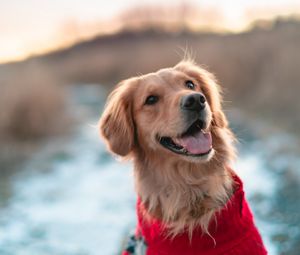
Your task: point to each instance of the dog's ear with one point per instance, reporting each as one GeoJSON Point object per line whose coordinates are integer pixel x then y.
{"type": "Point", "coordinates": [210, 88]}
{"type": "Point", "coordinates": [219, 119]}
{"type": "Point", "coordinates": [116, 123]}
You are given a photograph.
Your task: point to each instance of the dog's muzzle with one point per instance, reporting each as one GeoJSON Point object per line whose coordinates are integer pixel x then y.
{"type": "Point", "coordinates": [196, 140]}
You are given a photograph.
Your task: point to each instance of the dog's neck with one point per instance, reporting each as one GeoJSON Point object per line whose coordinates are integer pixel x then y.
{"type": "Point", "coordinates": [182, 194]}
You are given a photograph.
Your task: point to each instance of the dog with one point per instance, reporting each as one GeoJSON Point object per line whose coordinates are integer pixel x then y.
{"type": "Point", "coordinates": [171, 124]}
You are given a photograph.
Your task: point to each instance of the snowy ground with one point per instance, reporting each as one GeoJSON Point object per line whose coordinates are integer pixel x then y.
{"type": "Point", "coordinates": [81, 204]}
{"type": "Point", "coordinates": [250, 168]}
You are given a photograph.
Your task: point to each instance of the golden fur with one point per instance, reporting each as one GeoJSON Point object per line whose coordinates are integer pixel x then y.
{"type": "Point", "coordinates": [181, 191]}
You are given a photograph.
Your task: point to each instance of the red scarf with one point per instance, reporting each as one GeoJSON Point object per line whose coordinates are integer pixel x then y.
{"type": "Point", "coordinates": [233, 232]}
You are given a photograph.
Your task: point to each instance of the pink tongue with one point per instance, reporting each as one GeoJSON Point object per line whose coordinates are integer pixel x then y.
{"type": "Point", "coordinates": [196, 144]}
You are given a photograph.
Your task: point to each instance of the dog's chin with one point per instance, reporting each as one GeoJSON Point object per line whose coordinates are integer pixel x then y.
{"type": "Point", "coordinates": [201, 158]}
{"type": "Point", "coordinates": [194, 145]}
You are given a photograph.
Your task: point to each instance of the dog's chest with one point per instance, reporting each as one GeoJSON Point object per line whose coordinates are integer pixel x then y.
{"type": "Point", "coordinates": [232, 232]}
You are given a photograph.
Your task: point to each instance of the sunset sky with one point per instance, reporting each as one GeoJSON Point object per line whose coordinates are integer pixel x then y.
{"type": "Point", "coordinates": [37, 26]}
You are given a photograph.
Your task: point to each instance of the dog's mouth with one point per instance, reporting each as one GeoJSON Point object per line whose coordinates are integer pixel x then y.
{"type": "Point", "coordinates": [193, 142]}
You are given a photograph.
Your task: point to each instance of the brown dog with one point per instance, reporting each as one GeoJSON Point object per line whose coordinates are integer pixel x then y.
{"type": "Point", "coordinates": [172, 125]}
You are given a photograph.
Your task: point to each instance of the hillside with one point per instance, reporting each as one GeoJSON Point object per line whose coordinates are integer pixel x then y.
{"type": "Point", "coordinates": [258, 69]}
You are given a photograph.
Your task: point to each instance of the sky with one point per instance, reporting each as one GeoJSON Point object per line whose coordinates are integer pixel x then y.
{"type": "Point", "coordinates": [36, 26]}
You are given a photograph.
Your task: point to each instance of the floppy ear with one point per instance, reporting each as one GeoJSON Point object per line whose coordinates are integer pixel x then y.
{"type": "Point", "coordinates": [210, 88]}
{"type": "Point", "coordinates": [219, 119]}
{"type": "Point", "coordinates": [116, 123]}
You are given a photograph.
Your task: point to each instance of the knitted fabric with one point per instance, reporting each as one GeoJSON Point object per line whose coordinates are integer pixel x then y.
{"type": "Point", "coordinates": [232, 233]}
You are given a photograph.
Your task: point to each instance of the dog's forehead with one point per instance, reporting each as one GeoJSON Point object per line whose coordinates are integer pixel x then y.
{"type": "Point", "coordinates": [167, 76]}
{"type": "Point", "coordinates": [170, 73]}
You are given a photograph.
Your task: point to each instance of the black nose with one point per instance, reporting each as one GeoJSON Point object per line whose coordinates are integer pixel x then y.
{"type": "Point", "coordinates": [193, 102]}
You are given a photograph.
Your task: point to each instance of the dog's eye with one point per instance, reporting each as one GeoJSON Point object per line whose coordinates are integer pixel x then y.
{"type": "Point", "coordinates": [190, 85]}
{"type": "Point", "coordinates": [151, 100]}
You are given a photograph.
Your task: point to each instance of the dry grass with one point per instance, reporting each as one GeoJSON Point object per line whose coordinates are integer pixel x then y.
{"type": "Point", "coordinates": [259, 71]}
{"type": "Point", "coordinates": [32, 105]}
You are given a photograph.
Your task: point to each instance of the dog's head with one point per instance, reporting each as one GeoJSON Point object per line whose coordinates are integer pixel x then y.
{"type": "Point", "coordinates": [175, 112]}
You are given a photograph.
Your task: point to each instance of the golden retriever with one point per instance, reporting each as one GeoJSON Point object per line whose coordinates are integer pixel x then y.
{"type": "Point", "coordinates": [171, 124]}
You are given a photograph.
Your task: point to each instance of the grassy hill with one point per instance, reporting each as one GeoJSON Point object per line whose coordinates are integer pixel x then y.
{"type": "Point", "coordinates": [259, 69]}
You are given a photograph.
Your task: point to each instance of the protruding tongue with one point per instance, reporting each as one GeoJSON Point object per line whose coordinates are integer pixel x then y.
{"type": "Point", "coordinates": [199, 143]}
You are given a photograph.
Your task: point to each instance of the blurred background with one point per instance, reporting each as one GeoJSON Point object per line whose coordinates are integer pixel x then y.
{"type": "Point", "coordinates": [60, 191]}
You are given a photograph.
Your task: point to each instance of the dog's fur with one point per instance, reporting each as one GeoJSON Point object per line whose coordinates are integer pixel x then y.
{"type": "Point", "coordinates": [181, 191]}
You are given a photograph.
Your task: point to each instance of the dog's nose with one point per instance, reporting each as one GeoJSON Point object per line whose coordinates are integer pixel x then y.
{"type": "Point", "coordinates": [193, 102]}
